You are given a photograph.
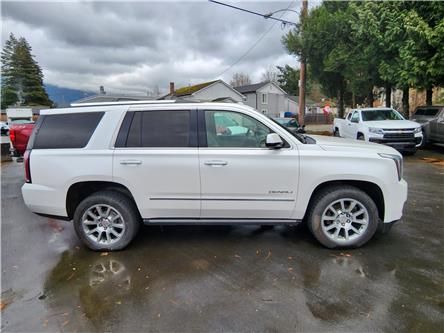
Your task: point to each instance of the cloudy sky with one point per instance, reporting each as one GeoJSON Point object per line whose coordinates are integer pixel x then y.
{"type": "Point", "coordinates": [130, 47]}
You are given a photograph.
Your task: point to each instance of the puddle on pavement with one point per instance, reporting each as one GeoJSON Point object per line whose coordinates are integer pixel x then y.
{"type": "Point", "coordinates": [187, 279]}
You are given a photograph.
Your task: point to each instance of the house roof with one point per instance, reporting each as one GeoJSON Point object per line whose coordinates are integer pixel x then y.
{"type": "Point", "coordinates": [192, 89]}
{"type": "Point", "coordinates": [293, 98]}
{"type": "Point", "coordinates": [250, 87]}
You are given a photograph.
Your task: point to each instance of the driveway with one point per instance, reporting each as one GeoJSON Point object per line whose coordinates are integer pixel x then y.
{"type": "Point", "coordinates": [183, 279]}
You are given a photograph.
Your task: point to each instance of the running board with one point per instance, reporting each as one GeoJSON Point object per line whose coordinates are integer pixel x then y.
{"type": "Point", "coordinates": [218, 221]}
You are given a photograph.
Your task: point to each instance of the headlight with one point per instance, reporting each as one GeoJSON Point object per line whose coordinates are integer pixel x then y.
{"type": "Point", "coordinates": [375, 130]}
{"type": "Point", "coordinates": [418, 130]}
{"type": "Point", "coordinates": [398, 162]}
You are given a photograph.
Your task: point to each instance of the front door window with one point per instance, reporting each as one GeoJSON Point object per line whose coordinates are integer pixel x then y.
{"type": "Point", "coordinates": [232, 129]}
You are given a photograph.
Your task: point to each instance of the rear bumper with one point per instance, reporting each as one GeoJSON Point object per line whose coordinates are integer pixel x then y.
{"type": "Point", "coordinates": [44, 200]}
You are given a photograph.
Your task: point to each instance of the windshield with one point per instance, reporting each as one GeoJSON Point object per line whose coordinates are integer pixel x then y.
{"type": "Point", "coordinates": [301, 137]}
{"type": "Point", "coordinates": [281, 121]}
{"type": "Point", "coordinates": [376, 115]}
{"type": "Point", "coordinates": [426, 112]}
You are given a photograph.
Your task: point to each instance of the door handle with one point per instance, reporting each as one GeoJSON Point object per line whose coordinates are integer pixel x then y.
{"type": "Point", "coordinates": [130, 162]}
{"type": "Point", "coordinates": [216, 163]}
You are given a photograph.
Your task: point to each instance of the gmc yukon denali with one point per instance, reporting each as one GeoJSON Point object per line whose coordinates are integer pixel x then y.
{"type": "Point", "coordinates": [110, 168]}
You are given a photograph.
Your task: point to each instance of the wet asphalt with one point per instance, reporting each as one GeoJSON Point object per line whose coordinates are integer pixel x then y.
{"type": "Point", "coordinates": [230, 279]}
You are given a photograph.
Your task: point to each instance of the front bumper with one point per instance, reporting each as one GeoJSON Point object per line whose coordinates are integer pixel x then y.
{"type": "Point", "coordinates": [402, 144]}
{"type": "Point", "coordinates": [395, 196]}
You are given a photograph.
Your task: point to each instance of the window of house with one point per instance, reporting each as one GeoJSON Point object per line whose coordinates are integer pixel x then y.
{"type": "Point", "coordinates": [234, 129]}
{"type": "Point", "coordinates": [264, 98]}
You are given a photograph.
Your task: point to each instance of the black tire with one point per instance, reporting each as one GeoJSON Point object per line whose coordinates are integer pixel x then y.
{"type": "Point", "coordinates": [336, 132]}
{"type": "Point", "coordinates": [123, 205]}
{"type": "Point", "coordinates": [361, 137]}
{"type": "Point", "coordinates": [324, 198]}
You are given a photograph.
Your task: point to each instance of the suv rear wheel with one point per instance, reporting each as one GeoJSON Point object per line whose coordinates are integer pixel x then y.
{"type": "Point", "coordinates": [343, 216]}
{"type": "Point", "coordinates": [106, 221]}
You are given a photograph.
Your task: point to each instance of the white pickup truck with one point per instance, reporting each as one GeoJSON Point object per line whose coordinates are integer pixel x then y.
{"type": "Point", "coordinates": [380, 125]}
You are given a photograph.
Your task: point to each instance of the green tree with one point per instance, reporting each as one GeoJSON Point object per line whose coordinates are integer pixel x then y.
{"type": "Point", "coordinates": [407, 40]}
{"type": "Point", "coordinates": [288, 79]}
{"type": "Point", "coordinates": [324, 39]}
{"type": "Point", "coordinates": [22, 77]}
{"type": "Point", "coordinates": [9, 94]}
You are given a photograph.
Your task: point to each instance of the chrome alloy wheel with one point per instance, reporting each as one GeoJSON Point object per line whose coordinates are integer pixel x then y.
{"type": "Point", "coordinates": [103, 224]}
{"type": "Point", "coordinates": [345, 220]}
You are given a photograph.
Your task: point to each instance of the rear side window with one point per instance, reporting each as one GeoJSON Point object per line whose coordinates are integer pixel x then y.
{"type": "Point", "coordinates": [71, 130]}
{"type": "Point", "coordinates": [157, 129]}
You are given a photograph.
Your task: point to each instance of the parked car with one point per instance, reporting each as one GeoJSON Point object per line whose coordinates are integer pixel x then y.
{"type": "Point", "coordinates": [431, 119]}
{"type": "Point", "coordinates": [380, 125]}
{"type": "Point", "coordinates": [291, 123]}
{"type": "Point", "coordinates": [4, 128]}
{"type": "Point", "coordinates": [19, 132]}
{"type": "Point", "coordinates": [110, 168]}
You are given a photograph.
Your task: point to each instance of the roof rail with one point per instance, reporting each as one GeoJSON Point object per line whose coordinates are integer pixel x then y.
{"type": "Point", "coordinates": [169, 101]}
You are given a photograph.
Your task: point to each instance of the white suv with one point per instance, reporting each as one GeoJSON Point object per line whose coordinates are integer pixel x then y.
{"type": "Point", "coordinates": [110, 167]}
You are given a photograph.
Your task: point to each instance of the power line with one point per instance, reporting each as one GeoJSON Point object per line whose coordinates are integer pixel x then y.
{"type": "Point", "coordinates": [265, 16]}
{"type": "Point", "coordinates": [254, 44]}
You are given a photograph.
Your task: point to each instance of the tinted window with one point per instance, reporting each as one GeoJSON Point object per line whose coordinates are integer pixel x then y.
{"type": "Point", "coordinates": [426, 112]}
{"type": "Point", "coordinates": [66, 130]}
{"type": "Point", "coordinates": [376, 115]}
{"type": "Point", "coordinates": [242, 131]}
{"type": "Point", "coordinates": [159, 129]}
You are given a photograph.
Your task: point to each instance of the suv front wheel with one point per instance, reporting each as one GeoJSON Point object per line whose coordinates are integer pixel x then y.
{"type": "Point", "coordinates": [343, 216]}
{"type": "Point", "coordinates": [106, 221]}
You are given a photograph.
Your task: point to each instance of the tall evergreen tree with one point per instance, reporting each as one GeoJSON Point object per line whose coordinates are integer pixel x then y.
{"type": "Point", "coordinates": [22, 77]}
{"type": "Point", "coordinates": [9, 94]}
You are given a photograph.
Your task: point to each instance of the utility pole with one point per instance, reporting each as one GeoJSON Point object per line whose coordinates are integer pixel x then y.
{"type": "Point", "coordinates": [302, 79]}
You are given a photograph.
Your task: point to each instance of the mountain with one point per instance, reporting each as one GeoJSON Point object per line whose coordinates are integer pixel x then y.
{"type": "Point", "coordinates": [65, 96]}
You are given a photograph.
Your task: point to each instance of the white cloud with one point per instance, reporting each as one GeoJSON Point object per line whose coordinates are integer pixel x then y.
{"type": "Point", "coordinates": [132, 47]}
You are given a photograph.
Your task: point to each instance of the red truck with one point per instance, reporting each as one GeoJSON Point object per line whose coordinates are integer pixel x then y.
{"type": "Point", "coordinates": [19, 132]}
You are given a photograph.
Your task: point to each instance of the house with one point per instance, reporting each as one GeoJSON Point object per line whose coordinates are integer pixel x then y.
{"type": "Point", "coordinates": [212, 91]}
{"type": "Point", "coordinates": [269, 98]}
{"type": "Point", "coordinates": [103, 97]}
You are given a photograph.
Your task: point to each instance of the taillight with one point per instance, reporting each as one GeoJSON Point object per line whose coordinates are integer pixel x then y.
{"type": "Point", "coordinates": [26, 160]}
{"type": "Point", "coordinates": [12, 135]}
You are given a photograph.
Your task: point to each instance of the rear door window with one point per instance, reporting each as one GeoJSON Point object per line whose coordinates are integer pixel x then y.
{"type": "Point", "coordinates": [151, 129]}
{"type": "Point", "coordinates": [58, 131]}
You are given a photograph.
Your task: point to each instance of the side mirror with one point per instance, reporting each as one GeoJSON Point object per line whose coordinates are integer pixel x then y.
{"type": "Point", "coordinates": [273, 141]}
